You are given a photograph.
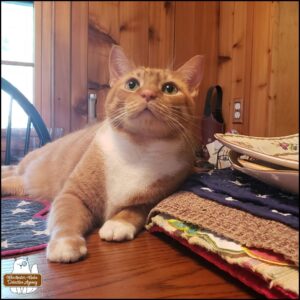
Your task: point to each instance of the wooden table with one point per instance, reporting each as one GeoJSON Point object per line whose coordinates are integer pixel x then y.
{"type": "Point", "coordinates": [151, 266]}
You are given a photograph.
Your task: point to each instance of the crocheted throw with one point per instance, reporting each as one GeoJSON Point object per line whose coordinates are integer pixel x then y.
{"type": "Point", "coordinates": [23, 225]}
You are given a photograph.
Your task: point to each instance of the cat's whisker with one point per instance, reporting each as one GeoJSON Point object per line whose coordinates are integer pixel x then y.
{"type": "Point", "coordinates": [186, 114]}
{"type": "Point", "coordinates": [191, 138]}
{"type": "Point", "coordinates": [187, 119]}
{"type": "Point", "coordinates": [119, 114]}
{"type": "Point", "coordinates": [176, 125]}
{"type": "Point", "coordinates": [178, 115]}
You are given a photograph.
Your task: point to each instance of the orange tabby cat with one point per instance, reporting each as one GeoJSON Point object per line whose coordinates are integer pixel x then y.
{"type": "Point", "coordinates": [113, 173]}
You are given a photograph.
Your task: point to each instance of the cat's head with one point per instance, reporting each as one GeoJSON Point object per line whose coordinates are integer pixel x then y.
{"type": "Point", "coordinates": [147, 102]}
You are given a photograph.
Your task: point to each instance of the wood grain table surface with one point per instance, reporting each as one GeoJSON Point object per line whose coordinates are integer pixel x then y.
{"type": "Point", "coordinates": [151, 266]}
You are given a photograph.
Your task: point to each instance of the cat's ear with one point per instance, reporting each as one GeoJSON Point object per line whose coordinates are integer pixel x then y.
{"type": "Point", "coordinates": [192, 72]}
{"type": "Point", "coordinates": [119, 64]}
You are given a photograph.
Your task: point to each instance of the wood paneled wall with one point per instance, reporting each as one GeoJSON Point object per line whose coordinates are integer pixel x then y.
{"type": "Point", "coordinates": [155, 34]}
{"type": "Point", "coordinates": [251, 50]}
{"type": "Point", "coordinates": [284, 71]}
{"type": "Point", "coordinates": [61, 31]}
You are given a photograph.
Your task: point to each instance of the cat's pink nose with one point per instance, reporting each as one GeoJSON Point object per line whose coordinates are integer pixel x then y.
{"type": "Point", "coordinates": [148, 94]}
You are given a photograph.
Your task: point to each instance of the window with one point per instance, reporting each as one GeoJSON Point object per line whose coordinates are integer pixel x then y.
{"type": "Point", "coordinates": [17, 55]}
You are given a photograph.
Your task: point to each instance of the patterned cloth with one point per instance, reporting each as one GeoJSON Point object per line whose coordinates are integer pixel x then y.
{"type": "Point", "coordinates": [238, 190]}
{"type": "Point", "coordinates": [235, 224]}
{"type": "Point", "coordinates": [243, 274]}
{"type": "Point", "coordinates": [23, 225]}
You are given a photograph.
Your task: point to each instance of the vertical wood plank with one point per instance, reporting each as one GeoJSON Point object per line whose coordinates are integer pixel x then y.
{"type": "Point", "coordinates": [225, 58]}
{"type": "Point", "coordinates": [273, 71]}
{"type": "Point", "coordinates": [37, 82]}
{"type": "Point", "coordinates": [239, 49]}
{"type": "Point", "coordinates": [47, 62]}
{"type": "Point", "coordinates": [258, 111]}
{"type": "Point", "coordinates": [239, 59]}
{"type": "Point", "coordinates": [134, 22]}
{"type": "Point", "coordinates": [196, 32]}
{"type": "Point", "coordinates": [185, 31]}
{"type": "Point", "coordinates": [79, 64]}
{"type": "Point", "coordinates": [284, 71]}
{"type": "Point", "coordinates": [62, 34]}
{"type": "Point", "coordinates": [185, 47]}
{"type": "Point", "coordinates": [161, 33]}
{"type": "Point", "coordinates": [103, 19]}
{"type": "Point", "coordinates": [248, 67]}
{"type": "Point", "coordinates": [208, 24]}
{"type": "Point", "coordinates": [241, 63]}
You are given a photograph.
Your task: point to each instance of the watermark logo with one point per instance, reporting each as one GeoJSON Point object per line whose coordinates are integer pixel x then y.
{"type": "Point", "coordinates": [23, 278]}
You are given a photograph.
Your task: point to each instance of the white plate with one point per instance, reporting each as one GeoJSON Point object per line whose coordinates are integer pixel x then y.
{"type": "Point", "coordinates": [282, 151]}
{"type": "Point", "coordinates": [287, 180]}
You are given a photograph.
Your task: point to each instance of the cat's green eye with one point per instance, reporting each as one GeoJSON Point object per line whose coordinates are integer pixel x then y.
{"type": "Point", "coordinates": [132, 84]}
{"type": "Point", "coordinates": [170, 88]}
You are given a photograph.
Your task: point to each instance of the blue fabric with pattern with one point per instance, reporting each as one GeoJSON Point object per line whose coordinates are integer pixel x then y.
{"type": "Point", "coordinates": [23, 225]}
{"type": "Point", "coordinates": [235, 189]}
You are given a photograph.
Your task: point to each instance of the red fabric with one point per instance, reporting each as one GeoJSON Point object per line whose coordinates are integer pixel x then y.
{"type": "Point", "coordinates": [249, 278]}
{"type": "Point", "coordinates": [268, 255]}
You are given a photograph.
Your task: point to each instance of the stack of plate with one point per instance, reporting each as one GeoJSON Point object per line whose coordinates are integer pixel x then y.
{"type": "Point", "coordinates": [273, 160]}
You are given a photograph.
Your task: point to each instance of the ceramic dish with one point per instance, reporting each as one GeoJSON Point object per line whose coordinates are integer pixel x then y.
{"type": "Point", "coordinates": [287, 180]}
{"type": "Point", "coordinates": [282, 151]}
{"type": "Point", "coordinates": [253, 163]}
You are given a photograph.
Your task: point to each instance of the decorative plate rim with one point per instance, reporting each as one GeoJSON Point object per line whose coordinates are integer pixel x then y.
{"type": "Point", "coordinates": [259, 174]}
{"type": "Point", "coordinates": [256, 154]}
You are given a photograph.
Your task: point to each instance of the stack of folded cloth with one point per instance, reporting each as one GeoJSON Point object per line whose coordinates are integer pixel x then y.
{"type": "Point", "coordinates": [240, 224]}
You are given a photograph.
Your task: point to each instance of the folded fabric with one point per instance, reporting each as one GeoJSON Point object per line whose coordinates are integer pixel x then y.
{"type": "Point", "coordinates": [244, 275]}
{"type": "Point", "coordinates": [216, 243]}
{"type": "Point", "coordinates": [238, 190]}
{"type": "Point", "coordinates": [237, 225]}
{"type": "Point", "coordinates": [276, 272]}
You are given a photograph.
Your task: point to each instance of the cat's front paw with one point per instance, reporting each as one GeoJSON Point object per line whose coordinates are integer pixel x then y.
{"type": "Point", "coordinates": [117, 231]}
{"type": "Point", "coordinates": [66, 249]}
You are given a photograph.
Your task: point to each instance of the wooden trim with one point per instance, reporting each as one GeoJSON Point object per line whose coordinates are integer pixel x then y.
{"type": "Point", "coordinates": [62, 55]}
{"type": "Point", "coordinates": [16, 63]}
{"type": "Point", "coordinates": [37, 82]}
{"type": "Point", "coordinates": [46, 72]}
{"type": "Point", "coordinates": [79, 63]}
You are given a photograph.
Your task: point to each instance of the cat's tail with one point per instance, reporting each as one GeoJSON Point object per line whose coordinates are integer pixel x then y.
{"type": "Point", "coordinates": [12, 185]}
{"type": "Point", "coordinates": [7, 171]}
{"type": "Point", "coordinates": [11, 182]}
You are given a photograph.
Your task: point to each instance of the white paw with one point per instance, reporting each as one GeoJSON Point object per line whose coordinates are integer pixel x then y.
{"type": "Point", "coordinates": [117, 231]}
{"type": "Point", "coordinates": [66, 249]}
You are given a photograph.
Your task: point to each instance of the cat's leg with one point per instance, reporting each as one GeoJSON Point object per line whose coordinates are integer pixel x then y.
{"type": "Point", "coordinates": [12, 185]}
{"type": "Point", "coordinates": [125, 224]}
{"type": "Point", "coordinates": [68, 221]}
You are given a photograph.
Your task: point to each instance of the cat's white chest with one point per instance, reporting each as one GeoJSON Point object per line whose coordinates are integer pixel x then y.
{"type": "Point", "coordinates": [131, 168]}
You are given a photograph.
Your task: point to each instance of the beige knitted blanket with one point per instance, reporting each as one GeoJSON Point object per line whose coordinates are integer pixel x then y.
{"type": "Point", "coordinates": [232, 223]}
